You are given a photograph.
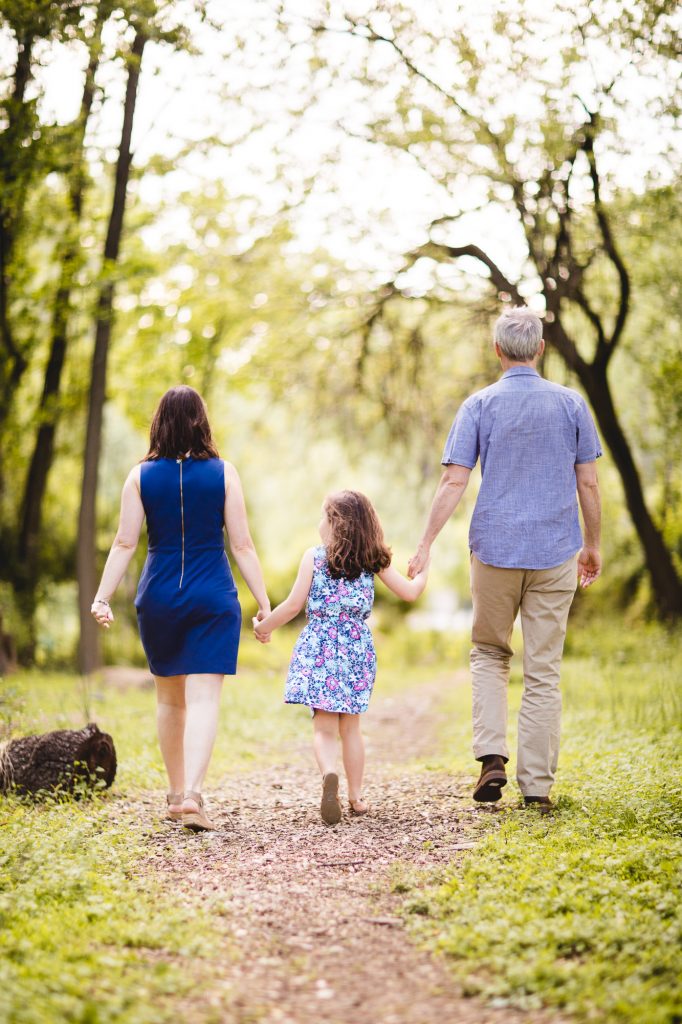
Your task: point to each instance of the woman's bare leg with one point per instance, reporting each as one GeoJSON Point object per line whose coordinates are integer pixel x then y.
{"type": "Point", "coordinates": [325, 739]}
{"type": "Point", "coordinates": [170, 723]}
{"type": "Point", "coordinates": [202, 698]}
{"type": "Point", "coordinates": [353, 747]}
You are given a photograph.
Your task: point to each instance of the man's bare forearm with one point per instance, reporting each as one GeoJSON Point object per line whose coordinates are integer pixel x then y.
{"type": "Point", "coordinates": [590, 506]}
{"type": "Point", "coordinates": [446, 499]}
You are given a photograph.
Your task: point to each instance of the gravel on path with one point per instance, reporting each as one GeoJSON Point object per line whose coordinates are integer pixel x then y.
{"type": "Point", "coordinates": [311, 926]}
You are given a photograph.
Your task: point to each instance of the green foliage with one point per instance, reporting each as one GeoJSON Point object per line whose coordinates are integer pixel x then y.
{"type": "Point", "coordinates": [582, 911]}
{"type": "Point", "coordinates": [318, 373]}
{"type": "Point", "coordinates": [85, 936]}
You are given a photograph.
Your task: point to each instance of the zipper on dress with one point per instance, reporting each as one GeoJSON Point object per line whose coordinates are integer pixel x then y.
{"type": "Point", "coordinates": [182, 527]}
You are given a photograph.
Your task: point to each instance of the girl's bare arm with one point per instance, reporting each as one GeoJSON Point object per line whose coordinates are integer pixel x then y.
{"type": "Point", "coordinates": [293, 604]}
{"type": "Point", "coordinates": [406, 590]}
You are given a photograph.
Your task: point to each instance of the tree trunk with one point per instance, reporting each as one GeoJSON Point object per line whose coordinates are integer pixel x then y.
{"type": "Point", "coordinates": [27, 569]}
{"type": "Point", "coordinates": [58, 760]}
{"type": "Point", "coordinates": [8, 653]}
{"type": "Point", "coordinates": [89, 656]}
{"type": "Point", "coordinates": [666, 584]}
{"type": "Point", "coordinates": [13, 141]}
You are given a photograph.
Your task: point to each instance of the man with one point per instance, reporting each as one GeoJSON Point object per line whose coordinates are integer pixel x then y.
{"type": "Point", "coordinates": [538, 445]}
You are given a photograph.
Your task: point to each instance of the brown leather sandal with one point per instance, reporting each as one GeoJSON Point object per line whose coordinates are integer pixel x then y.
{"type": "Point", "coordinates": [173, 800]}
{"type": "Point", "coordinates": [330, 806]}
{"type": "Point", "coordinates": [354, 809]}
{"type": "Point", "coordinates": [197, 821]}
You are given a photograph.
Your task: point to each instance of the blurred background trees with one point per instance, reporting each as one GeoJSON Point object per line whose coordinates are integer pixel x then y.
{"type": "Point", "coordinates": [312, 213]}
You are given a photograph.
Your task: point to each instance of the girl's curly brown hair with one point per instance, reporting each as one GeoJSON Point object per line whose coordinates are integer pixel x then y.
{"type": "Point", "coordinates": [357, 542]}
{"type": "Point", "coordinates": [180, 426]}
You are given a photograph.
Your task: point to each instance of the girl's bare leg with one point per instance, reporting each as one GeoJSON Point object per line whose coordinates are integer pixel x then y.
{"type": "Point", "coordinates": [353, 746]}
{"type": "Point", "coordinates": [202, 695]}
{"type": "Point", "coordinates": [170, 723]}
{"type": "Point", "coordinates": [325, 737]}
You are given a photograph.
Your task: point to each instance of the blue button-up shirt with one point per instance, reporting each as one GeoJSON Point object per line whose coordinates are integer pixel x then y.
{"type": "Point", "coordinates": [529, 435]}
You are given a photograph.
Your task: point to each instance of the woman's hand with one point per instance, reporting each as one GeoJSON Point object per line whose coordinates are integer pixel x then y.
{"type": "Point", "coordinates": [102, 613]}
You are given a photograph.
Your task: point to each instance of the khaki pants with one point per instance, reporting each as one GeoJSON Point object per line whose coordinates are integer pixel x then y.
{"type": "Point", "coordinates": [544, 597]}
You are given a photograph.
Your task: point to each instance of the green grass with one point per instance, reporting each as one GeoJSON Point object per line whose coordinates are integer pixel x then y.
{"type": "Point", "coordinates": [81, 938]}
{"type": "Point", "coordinates": [85, 936]}
{"type": "Point", "coordinates": [582, 911]}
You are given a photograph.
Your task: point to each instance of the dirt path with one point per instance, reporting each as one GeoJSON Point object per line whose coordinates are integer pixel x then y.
{"type": "Point", "coordinates": [309, 909]}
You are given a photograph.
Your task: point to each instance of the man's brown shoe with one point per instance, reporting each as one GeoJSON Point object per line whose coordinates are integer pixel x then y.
{"type": "Point", "coordinates": [543, 803]}
{"type": "Point", "coordinates": [491, 780]}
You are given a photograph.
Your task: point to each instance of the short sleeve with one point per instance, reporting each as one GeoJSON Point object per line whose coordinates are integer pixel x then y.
{"type": "Point", "coordinates": [461, 447]}
{"type": "Point", "coordinates": [588, 447]}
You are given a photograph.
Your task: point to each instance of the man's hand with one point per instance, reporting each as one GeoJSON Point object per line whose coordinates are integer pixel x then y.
{"type": "Point", "coordinates": [589, 566]}
{"type": "Point", "coordinates": [419, 560]}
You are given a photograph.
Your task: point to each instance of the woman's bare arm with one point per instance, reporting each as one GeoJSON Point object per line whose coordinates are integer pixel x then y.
{"type": "Point", "coordinates": [293, 604]}
{"type": "Point", "coordinates": [123, 548]}
{"type": "Point", "coordinates": [241, 545]}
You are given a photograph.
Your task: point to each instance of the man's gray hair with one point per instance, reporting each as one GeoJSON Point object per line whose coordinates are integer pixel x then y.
{"type": "Point", "coordinates": [518, 332]}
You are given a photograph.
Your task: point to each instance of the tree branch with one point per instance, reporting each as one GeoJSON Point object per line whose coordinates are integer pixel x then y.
{"type": "Point", "coordinates": [364, 30]}
{"type": "Point", "coordinates": [435, 250]}
{"type": "Point", "coordinates": [606, 351]}
{"type": "Point", "coordinates": [581, 300]}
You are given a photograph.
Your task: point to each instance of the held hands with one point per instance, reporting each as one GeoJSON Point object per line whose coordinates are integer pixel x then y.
{"type": "Point", "coordinates": [589, 566]}
{"type": "Point", "coordinates": [420, 561]}
{"type": "Point", "coordinates": [102, 613]}
{"type": "Point", "coordinates": [422, 576]}
{"type": "Point", "coordinates": [261, 636]}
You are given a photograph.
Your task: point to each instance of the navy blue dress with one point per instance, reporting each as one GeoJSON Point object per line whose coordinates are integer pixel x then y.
{"type": "Point", "coordinates": [187, 606]}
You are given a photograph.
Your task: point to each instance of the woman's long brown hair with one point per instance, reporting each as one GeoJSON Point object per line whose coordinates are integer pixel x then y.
{"type": "Point", "coordinates": [357, 542]}
{"type": "Point", "coordinates": [180, 427]}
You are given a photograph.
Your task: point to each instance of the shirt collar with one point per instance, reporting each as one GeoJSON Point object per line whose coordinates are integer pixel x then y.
{"type": "Point", "coordinates": [518, 371]}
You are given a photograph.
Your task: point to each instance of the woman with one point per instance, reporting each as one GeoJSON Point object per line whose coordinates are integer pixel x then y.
{"type": "Point", "coordinates": [187, 607]}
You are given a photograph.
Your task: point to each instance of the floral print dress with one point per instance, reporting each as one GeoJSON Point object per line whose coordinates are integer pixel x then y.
{"type": "Point", "coordinates": [333, 665]}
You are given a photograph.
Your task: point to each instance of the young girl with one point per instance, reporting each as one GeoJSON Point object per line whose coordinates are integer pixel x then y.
{"type": "Point", "coordinates": [333, 665]}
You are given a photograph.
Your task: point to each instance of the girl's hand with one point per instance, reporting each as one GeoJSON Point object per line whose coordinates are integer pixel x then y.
{"type": "Point", "coordinates": [102, 613]}
{"type": "Point", "coordinates": [422, 577]}
{"type": "Point", "coordinates": [262, 637]}
{"type": "Point", "coordinates": [420, 561]}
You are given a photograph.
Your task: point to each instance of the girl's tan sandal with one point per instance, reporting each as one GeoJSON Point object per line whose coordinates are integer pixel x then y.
{"type": "Point", "coordinates": [357, 810]}
{"type": "Point", "coordinates": [197, 821]}
{"type": "Point", "coordinates": [330, 806]}
{"type": "Point", "coordinates": [174, 800]}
